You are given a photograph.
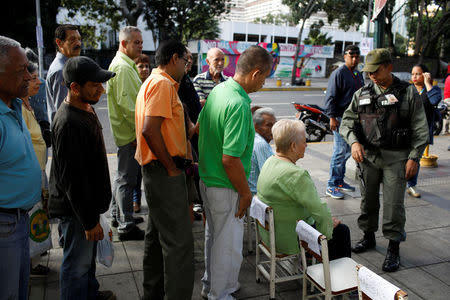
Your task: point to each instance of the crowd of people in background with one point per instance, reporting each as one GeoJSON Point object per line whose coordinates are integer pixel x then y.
{"type": "Point", "coordinates": [195, 146]}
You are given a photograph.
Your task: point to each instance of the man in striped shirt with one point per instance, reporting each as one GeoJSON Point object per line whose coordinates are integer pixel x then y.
{"type": "Point", "coordinates": [206, 81]}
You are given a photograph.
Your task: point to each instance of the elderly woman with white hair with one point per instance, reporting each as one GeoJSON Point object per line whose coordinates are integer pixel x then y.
{"type": "Point", "coordinates": [290, 191]}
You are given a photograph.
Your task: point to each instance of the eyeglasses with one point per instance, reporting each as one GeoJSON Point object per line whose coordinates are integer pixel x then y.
{"type": "Point", "coordinates": [187, 61]}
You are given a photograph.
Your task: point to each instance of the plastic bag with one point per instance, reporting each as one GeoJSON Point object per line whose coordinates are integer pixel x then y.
{"type": "Point", "coordinates": [105, 248]}
{"type": "Point", "coordinates": [40, 235]}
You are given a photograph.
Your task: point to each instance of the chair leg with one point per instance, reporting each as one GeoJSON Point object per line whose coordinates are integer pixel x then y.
{"type": "Point", "coordinates": [305, 283]}
{"type": "Point", "coordinates": [273, 266]}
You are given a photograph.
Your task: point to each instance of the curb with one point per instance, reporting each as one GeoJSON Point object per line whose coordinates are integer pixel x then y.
{"type": "Point", "coordinates": [278, 89]}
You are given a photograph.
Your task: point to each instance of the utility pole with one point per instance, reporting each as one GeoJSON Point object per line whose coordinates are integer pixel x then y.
{"type": "Point", "coordinates": [379, 29]}
{"type": "Point", "coordinates": [39, 38]}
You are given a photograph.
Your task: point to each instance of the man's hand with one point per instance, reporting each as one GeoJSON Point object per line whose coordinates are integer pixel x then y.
{"type": "Point", "coordinates": [411, 169]}
{"type": "Point", "coordinates": [336, 222]}
{"type": "Point", "coordinates": [334, 124]}
{"type": "Point", "coordinates": [358, 152]}
{"type": "Point", "coordinates": [202, 102]}
{"type": "Point", "coordinates": [94, 234]}
{"type": "Point", "coordinates": [244, 203]}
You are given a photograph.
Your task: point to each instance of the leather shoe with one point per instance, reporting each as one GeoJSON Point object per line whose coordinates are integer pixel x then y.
{"type": "Point", "coordinates": [392, 261]}
{"type": "Point", "coordinates": [366, 243]}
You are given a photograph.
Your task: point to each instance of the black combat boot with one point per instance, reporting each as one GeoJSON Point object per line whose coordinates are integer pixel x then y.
{"type": "Point", "coordinates": [392, 260]}
{"type": "Point", "coordinates": [367, 242]}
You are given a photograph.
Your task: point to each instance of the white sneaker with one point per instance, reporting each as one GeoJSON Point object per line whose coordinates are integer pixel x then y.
{"type": "Point", "coordinates": [413, 192]}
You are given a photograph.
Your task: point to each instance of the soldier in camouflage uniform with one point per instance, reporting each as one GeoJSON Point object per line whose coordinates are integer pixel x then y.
{"type": "Point", "coordinates": [386, 127]}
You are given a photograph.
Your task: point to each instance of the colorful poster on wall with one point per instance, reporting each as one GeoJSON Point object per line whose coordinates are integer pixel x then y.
{"type": "Point", "coordinates": [314, 67]}
{"type": "Point", "coordinates": [315, 56]}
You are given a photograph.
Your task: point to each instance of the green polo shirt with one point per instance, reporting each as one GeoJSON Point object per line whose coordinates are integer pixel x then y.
{"type": "Point", "coordinates": [226, 127]}
{"type": "Point", "coordinates": [122, 91]}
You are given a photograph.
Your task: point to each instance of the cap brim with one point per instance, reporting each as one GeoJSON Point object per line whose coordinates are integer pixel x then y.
{"type": "Point", "coordinates": [370, 68]}
{"type": "Point", "coordinates": [104, 76]}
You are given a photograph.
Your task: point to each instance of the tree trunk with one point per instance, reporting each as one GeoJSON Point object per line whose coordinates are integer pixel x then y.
{"type": "Point", "coordinates": [418, 40]}
{"type": "Point", "coordinates": [297, 49]}
{"type": "Point", "coordinates": [133, 15]}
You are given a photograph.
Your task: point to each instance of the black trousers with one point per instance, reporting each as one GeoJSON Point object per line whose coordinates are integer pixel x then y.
{"type": "Point", "coordinates": [339, 245]}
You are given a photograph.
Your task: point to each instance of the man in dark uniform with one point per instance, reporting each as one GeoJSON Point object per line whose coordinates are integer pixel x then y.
{"type": "Point", "coordinates": [386, 127]}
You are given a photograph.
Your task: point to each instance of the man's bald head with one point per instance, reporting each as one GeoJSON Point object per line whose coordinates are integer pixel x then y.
{"type": "Point", "coordinates": [216, 61]}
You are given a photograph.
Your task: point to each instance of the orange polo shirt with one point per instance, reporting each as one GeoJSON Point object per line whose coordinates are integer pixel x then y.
{"type": "Point", "coordinates": [158, 97]}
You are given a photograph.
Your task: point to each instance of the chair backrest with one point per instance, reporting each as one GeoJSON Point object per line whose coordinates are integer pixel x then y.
{"type": "Point", "coordinates": [311, 240]}
{"type": "Point", "coordinates": [315, 243]}
{"type": "Point", "coordinates": [374, 287]}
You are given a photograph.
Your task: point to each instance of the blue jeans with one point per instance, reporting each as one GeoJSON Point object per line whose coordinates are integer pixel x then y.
{"type": "Point", "coordinates": [77, 278]}
{"type": "Point", "coordinates": [14, 256]}
{"type": "Point", "coordinates": [124, 185]}
{"type": "Point", "coordinates": [413, 181]}
{"type": "Point", "coordinates": [341, 153]}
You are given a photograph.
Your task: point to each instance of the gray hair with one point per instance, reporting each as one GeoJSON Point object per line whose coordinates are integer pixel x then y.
{"type": "Point", "coordinates": [258, 114]}
{"type": "Point", "coordinates": [5, 45]}
{"type": "Point", "coordinates": [125, 32]}
{"type": "Point", "coordinates": [285, 132]}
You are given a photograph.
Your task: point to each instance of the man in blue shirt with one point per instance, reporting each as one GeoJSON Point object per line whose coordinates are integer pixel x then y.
{"type": "Point", "coordinates": [343, 83]}
{"type": "Point", "coordinates": [263, 119]}
{"type": "Point", "coordinates": [68, 44]}
{"type": "Point", "coordinates": [20, 173]}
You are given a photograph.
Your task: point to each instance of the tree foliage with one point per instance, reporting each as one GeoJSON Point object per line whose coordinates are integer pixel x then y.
{"type": "Point", "coordinates": [431, 31]}
{"type": "Point", "coordinates": [278, 19]}
{"type": "Point", "coordinates": [348, 12]}
{"type": "Point", "coordinates": [301, 10]}
{"type": "Point", "coordinates": [316, 37]}
{"type": "Point", "coordinates": [184, 19]}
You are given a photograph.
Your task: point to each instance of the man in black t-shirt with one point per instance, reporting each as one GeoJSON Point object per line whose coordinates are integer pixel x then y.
{"type": "Point", "coordinates": [80, 188]}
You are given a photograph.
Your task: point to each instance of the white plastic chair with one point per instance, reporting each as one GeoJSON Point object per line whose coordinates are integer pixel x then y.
{"type": "Point", "coordinates": [331, 278]}
{"type": "Point", "coordinates": [374, 287]}
{"type": "Point", "coordinates": [279, 267]}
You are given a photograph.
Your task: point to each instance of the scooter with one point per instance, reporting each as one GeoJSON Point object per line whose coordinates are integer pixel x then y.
{"type": "Point", "coordinates": [317, 123]}
{"type": "Point", "coordinates": [441, 114]}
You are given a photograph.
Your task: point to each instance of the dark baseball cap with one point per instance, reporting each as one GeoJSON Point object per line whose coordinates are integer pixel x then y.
{"type": "Point", "coordinates": [375, 58]}
{"type": "Point", "coordinates": [81, 69]}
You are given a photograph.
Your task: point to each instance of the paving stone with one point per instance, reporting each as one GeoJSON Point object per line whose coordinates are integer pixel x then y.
{"type": "Point", "coordinates": [123, 285]}
{"type": "Point", "coordinates": [422, 284]}
{"type": "Point", "coordinates": [135, 253]}
{"type": "Point", "coordinates": [52, 290]}
{"type": "Point", "coordinates": [426, 217]}
{"type": "Point", "coordinates": [422, 248]}
{"type": "Point", "coordinates": [440, 271]}
{"type": "Point", "coordinates": [55, 257]}
{"type": "Point", "coordinates": [120, 263]}
{"type": "Point", "coordinates": [36, 289]}
{"type": "Point", "coordinates": [139, 279]}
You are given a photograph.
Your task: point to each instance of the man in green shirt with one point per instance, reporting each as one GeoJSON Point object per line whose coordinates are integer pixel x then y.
{"type": "Point", "coordinates": [386, 127]}
{"type": "Point", "coordinates": [122, 91]}
{"type": "Point", "coordinates": [225, 146]}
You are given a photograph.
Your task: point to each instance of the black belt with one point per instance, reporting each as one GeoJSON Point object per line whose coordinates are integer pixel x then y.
{"type": "Point", "coordinates": [13, 211]}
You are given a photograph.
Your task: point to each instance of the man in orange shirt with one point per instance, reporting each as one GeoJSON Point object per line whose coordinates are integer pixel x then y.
{"type": "Point", "coordinates": [161, 151]}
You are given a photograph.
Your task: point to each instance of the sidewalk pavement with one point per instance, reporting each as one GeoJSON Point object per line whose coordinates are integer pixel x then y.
{"type": "Point", "coordinates": [425, 256]}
